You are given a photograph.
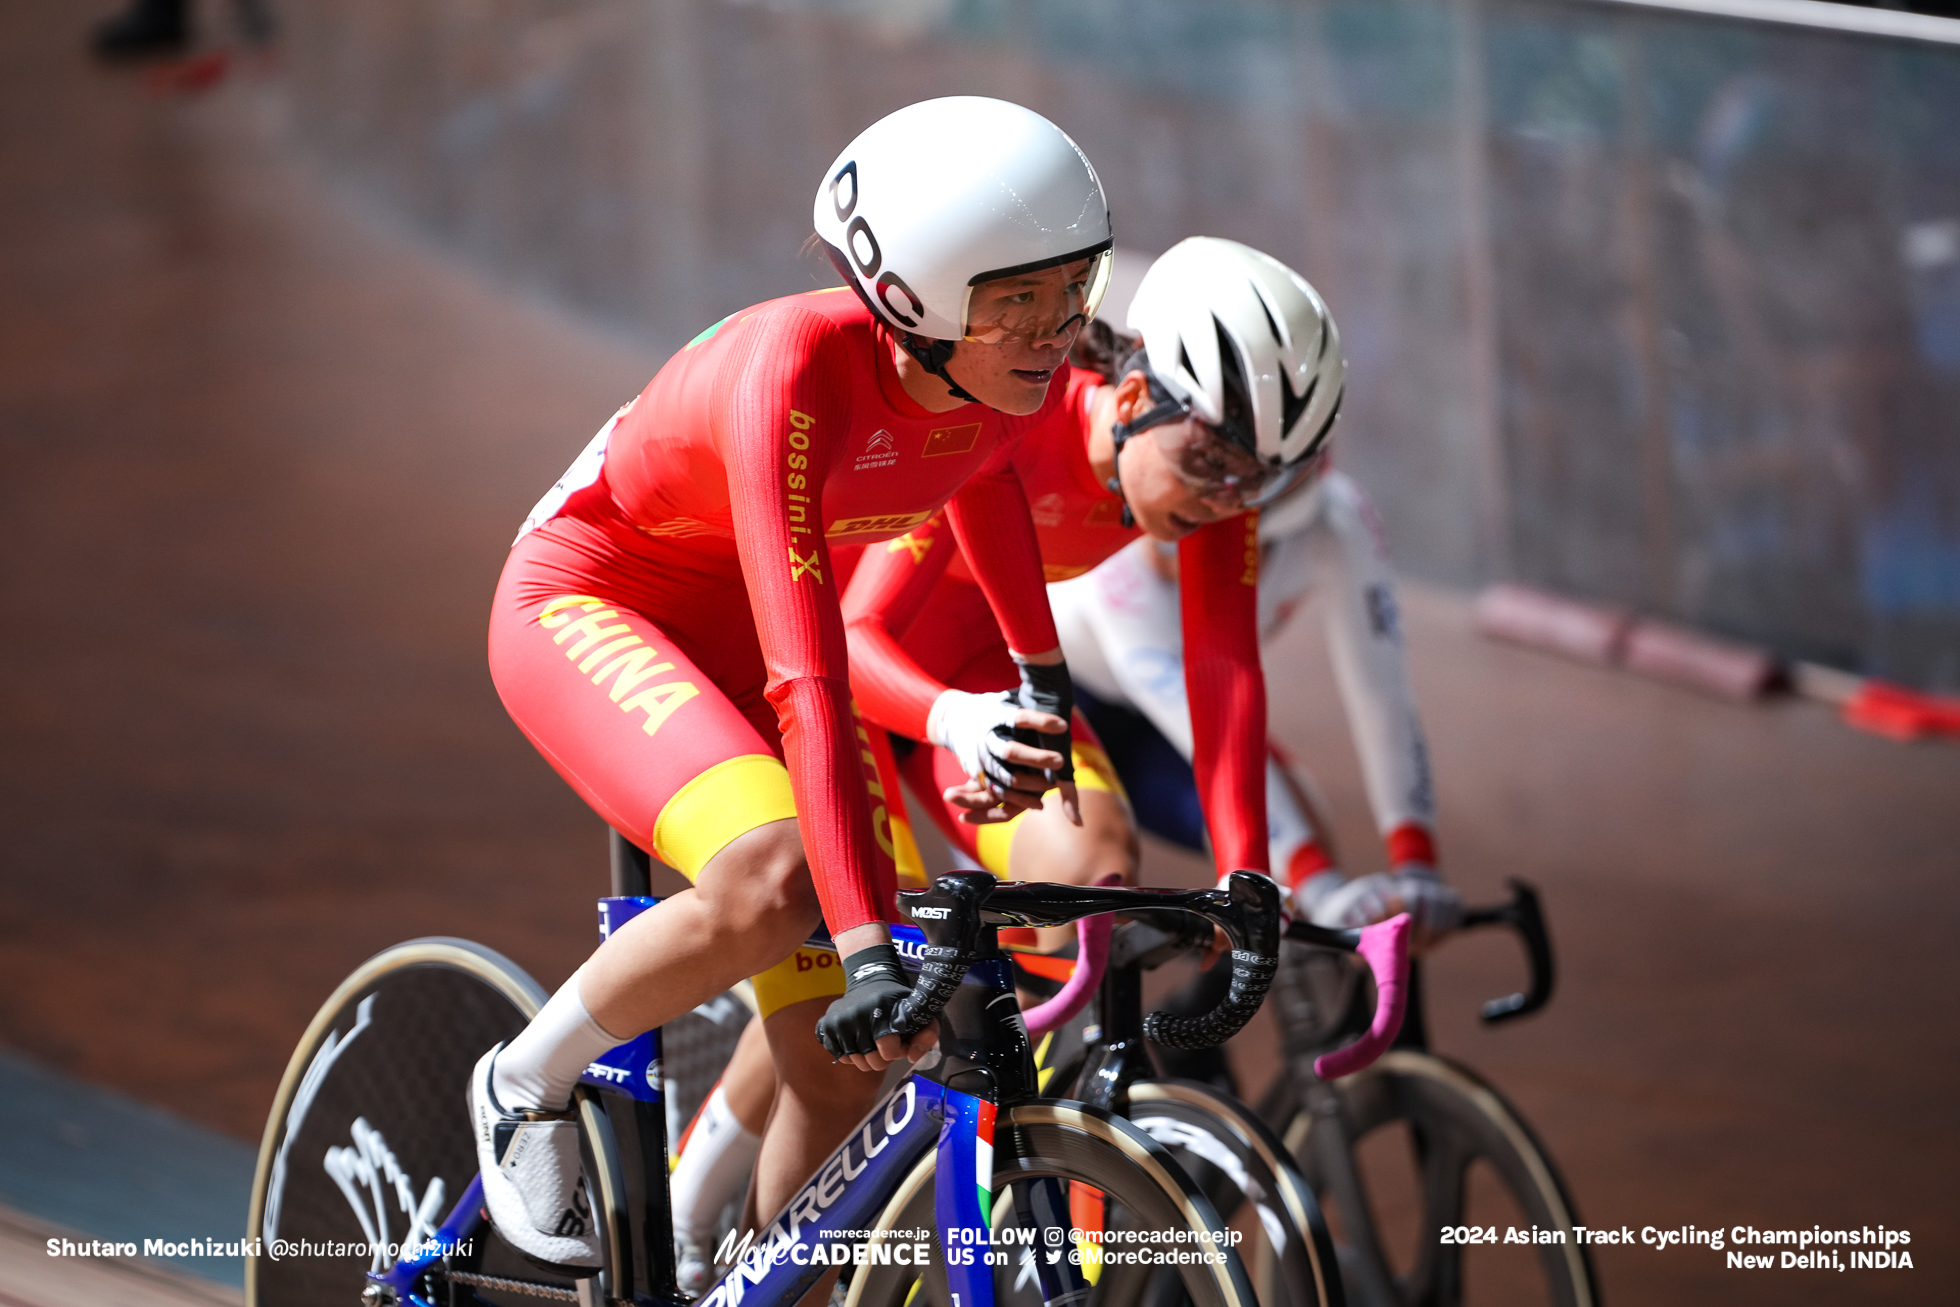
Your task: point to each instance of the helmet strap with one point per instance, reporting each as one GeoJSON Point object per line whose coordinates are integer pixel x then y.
{"type": "Point", "coordinates": [1118, 434]}
{"type": "Point", "coordinates": [1168, 408]}
{"type": "Point", "coordinates": [933, 356]}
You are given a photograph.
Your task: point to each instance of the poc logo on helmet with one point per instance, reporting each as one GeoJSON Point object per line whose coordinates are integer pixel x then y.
{"type": "Point", "coordinates": [865, 255]}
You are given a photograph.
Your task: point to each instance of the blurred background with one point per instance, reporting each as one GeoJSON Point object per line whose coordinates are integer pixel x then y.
{"type": "Point", "coordinates": [1656, 307]}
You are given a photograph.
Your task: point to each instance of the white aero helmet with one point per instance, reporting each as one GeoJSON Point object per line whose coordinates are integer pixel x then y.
{"type": "Point", "coordinates": [1241, 341]}
{"type": "Point", "coordinates": [931, 200]}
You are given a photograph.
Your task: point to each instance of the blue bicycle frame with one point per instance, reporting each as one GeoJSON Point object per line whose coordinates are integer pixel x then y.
{"type": "Point", "coordinates": [949, 1103]}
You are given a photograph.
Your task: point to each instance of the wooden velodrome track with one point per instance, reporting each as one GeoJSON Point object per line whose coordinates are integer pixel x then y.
{"type": "Point", "coordinates": [259, 461]}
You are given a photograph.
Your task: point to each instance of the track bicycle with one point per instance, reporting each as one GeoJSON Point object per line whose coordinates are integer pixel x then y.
{"type": "Point", "coordinates": [1451, 1136]}
{"type": "Point", "coordinates": [366, 1186]}
{"type": "Point", "coordinates": [1221, 1142]}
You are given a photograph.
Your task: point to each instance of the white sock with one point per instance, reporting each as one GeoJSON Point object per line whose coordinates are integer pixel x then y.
{"type": "Point", "coordinates": [713, 1168]}
{"type": "Point", "coordinates": [537, 1069]}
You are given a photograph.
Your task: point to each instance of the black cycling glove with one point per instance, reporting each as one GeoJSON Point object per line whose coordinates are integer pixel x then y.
{"type": "Point", "coordinates": [1048, 689]}
{"type": "Point", "coordinates": [874, 983]}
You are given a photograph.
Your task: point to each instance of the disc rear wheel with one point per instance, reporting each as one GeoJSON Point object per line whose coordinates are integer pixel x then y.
{"type": "Point", "coordinates": [369, 1144]}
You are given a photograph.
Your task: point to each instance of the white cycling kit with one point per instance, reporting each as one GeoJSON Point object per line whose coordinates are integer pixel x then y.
{"type": "Point", "coordinates": [1121, 635]}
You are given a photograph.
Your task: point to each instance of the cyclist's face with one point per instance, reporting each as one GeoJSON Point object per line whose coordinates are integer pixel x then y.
{"type": "Point", "coordinates": [1171, 473]}
{"type": "Point", "coordinates": [1019, 330]}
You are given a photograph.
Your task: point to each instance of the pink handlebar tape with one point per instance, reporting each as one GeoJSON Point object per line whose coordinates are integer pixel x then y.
{"type": "Point", "coordinates": [1091, 955]}
{"type": "Point", "coordinates": [1385, 946]}
{"type": "Point", "coordinates": [1092, 952]}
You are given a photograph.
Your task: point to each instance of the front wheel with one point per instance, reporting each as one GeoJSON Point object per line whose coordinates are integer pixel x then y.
{"type": "Point", "coordinates": [369, 1143]}
{"type": "Point", "coordinates": [1424, 1162]}
{"type": "Point", "coordinates": [1118, 1192]}
{"type": "Point", "coordinates": [1247, 1173]}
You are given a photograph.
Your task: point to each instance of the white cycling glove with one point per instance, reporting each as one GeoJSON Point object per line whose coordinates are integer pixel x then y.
{"type": "Point", "coordinates": [1315, 890]}
{"type": "Point", "coordinates": [976, 729]}
{"type": "Point", "coordinates": [1434, 907]}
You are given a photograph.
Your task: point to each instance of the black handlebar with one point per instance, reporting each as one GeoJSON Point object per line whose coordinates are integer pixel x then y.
{"type": "Point", "coordinates": [949, 916]}
{"type": "Point", "coordinates": [1524, 915]}
{"type": "Point", "coordinates": [953, 911]}
{"type": "Point", "coordinates": [1253, 904]}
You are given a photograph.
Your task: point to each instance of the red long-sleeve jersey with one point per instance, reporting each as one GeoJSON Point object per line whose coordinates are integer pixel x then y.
{"type": "Point", "coordinates": [773, 437]}
{"type": "Point", "coordinates": [911, 633]}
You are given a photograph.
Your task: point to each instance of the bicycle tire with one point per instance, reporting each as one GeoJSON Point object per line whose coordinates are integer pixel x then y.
{"type": "Point", "coordinates": [1071, 1142]}
{"type": "Point", "coordinates": [1456, 1119]}
{"type": "Point", "coordinates": [375, 1091]}
{"type": "Point", "coordinates": [1237, 1161]}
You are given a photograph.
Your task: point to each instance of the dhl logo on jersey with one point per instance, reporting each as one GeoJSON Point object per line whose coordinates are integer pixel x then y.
{"type": "Point", "coordinates": [882, 524]}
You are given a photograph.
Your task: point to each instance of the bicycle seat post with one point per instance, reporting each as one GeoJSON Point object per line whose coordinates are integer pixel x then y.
{"type": "Point", "coordinates": [632, 868]}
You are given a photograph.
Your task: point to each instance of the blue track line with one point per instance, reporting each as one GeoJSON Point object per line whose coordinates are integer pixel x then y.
{"type": "Point", "coordinates": [113, 1168]}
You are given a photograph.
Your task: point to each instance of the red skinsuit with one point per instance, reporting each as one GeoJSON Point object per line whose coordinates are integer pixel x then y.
{"type": "Point", "coordinates": [770, 440]}
{"type": "Point", "coordinates": [918, 624]}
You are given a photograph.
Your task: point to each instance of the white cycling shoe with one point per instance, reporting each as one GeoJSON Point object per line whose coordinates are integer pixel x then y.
{"type": "Point", "coordinates": [531, 1177]}
{"type": "Point", "coordinates": [694, 1268]}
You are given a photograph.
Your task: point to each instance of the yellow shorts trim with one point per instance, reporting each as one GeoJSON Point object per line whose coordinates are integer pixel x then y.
{"type": "Point", "coordinates": [729, 799]}
{"type": "Point", "coordinates": [805, 974]}
{"type": "Point", "coordinates": [1093, 771]}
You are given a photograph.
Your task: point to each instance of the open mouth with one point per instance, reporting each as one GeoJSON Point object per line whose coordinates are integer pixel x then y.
{"type": "Point", "coordinates": [1035, 376]}
{"type": "Point", "coordinates": [1184, 526]}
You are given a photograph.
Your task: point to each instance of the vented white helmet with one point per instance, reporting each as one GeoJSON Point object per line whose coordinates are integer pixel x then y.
{"type": "Point", "coordinates": [944, 194]}
{"type": "Point", "coordinates": [1245, 343]}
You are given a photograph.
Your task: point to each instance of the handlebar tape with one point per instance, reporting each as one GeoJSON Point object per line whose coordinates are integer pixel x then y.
{"type": "Point", "coordinates": [949, 914]}
{"type": "Point", "coordinates": [1250, 914]}
{"type": "Point", "coordinates": [940, 975]}
{"type": "Point", "coordinates": [1252, 975]}
{"type": "Point", "coordinates": [1091, 955]}
{"type": "Point", "coordinates": [1385, 947]}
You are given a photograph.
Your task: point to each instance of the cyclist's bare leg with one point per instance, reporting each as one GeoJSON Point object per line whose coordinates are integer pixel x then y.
{"type": "Point", "coordinates": [751, 905]}
{"type": "Point", "coordinates": [1047, 846]}
{"type": "Point", "coordinates": [817, 1101]}
{"type": "Point", "coordinates": [748, 1082]}
{"type": "Point", "coordinates": [804, 1126]}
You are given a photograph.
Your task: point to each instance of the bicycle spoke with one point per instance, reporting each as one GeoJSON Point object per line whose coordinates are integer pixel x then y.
{"type": "Point", "coordinates": [1362, 1261]}
{"type": "Point", "coordinates": [1443, 1161]}
{"type": "Point", "coordinates": [1454, 1120]}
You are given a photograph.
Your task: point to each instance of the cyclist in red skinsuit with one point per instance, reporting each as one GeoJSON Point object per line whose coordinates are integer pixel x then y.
{"type": "Point", "coordinates": [797, 399]}
{"type": "Point", "coordinates": [667, 629]}
{"type": "Point", "coordinates": [1185, 440]}
{"type": "Point", "coordinates": [922, 587]}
